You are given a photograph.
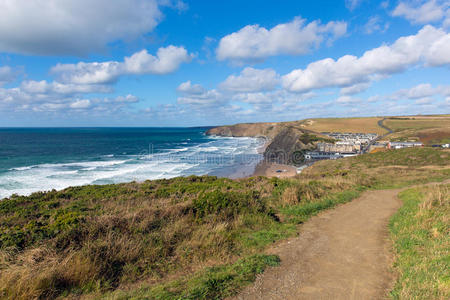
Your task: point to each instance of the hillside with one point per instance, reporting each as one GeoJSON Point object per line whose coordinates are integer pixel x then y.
{"type": "Point", "coordinates": [426, 129]}
{"type": "Point", "coordinates": [419, 231]}
{"type": "Point", "coordinates": [284, 139]}
{"type": "Point", "coordinates": [195, 237]}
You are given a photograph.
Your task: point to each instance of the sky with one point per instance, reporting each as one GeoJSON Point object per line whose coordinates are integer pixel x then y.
{"type": "Point", "coordinates": [203, 63]}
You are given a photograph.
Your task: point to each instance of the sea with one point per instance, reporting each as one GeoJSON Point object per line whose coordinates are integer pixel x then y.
{"type": "Point", "coordinates": [42, 159]}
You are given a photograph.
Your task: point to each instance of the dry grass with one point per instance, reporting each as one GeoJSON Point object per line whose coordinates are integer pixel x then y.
{"type": "Point", "coordinates": [94, 239]}
{"type": "Point", "coordinates": [364, 125]}
{"type": "Point", "coordinates": [412, 123]}
{"type": "Point", "coordinates": [426, 136]}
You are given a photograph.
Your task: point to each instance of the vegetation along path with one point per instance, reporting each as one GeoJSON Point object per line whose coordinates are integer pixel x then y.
{"type": "Point", "coordinates": [340, 254]}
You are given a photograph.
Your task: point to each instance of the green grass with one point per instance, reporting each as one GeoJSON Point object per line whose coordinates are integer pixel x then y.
{"type": "Point", "coordinates": [420, 231]}
{"type": "Point", "coordinates": [302, 212]}
{"type": "Point", "coordinates": [148, 238]}
{"type": "Point", "coordinates": [213, 283]}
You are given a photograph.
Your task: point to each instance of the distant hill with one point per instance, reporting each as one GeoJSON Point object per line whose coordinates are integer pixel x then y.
{"type": "Point", "coordinates": [285, 138]}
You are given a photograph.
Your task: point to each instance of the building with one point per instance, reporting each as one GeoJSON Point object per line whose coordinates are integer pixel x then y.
{"type": "Point", "coordinates": [340, 146]}
{"type": "Point", "coordinates": [400, 145]}
{"type": "Point", "coordinates": [319, 155]}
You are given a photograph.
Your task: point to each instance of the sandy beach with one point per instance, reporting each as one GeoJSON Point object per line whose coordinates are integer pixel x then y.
{"type": "Point", "coordinates": [274, 170]}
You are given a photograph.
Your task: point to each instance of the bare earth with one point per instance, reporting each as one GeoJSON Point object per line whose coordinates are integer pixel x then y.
{"type": "Point", "coordinates": [343, 253]}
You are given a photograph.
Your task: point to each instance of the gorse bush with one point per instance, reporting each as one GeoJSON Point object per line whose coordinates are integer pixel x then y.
{"type": "Point", "coordinates": [91, 240]}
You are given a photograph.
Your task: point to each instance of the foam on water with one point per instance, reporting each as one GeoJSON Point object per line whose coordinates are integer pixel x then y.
{"type": "Point", "coordinates": [203, 158]}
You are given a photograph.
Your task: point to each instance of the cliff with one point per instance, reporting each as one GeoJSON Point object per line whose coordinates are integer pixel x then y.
{"type": "Point", "coordinates": [286, 141]}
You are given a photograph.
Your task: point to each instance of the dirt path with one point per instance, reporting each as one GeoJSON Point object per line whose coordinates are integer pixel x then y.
{"type": "Point", "coordinates": [342, 253]}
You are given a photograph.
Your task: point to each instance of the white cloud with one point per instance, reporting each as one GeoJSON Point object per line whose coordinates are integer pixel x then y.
{"type": "Point", "coordinates": [423, 101]}
{"type": "Point", "coordinates": [126, 99]}
{"type": "Point", "coordinates": [439, 52]}
{"type": "Point", "coordinates": [72, 27]}
{"type": "Point", "coordinates": [6, 75]}
{"type": "Point", "coordinates": [41, 96]}
{"type": "Point", "coordinates": [419, 91]}
{"type": "Point", "coordinates": [179, 5]}
{"type": "Point", "coordinates": [423, 12]}
{"type": "Point", "coordinates": [352, 4]}
{"type": "Point", "coordinates": [80, 104]}
{"type": "Point", "coordinates": [166, 61]}
{"type": "Point", "coordinates": [348, 100]}
{"type": "Point", "coordinates": [44, 87]}
{"type": "Point", "coordinates": [196, 95]}
{"type": "Point", "coordinates": [190, 89]}
{"type": "Point", "coordinates": [375, 24]}
{"type": "Point", "coordinates": [254, 42]}
{"type": "Point", "coordinates": [446, 22]}
{"type": "Point", "coordinates": [254, 98]}
{"type": "Point", "coordinates": [251, 80]}
{"type": "Point", "coordinates": [349, 70]}
{"type": "Point", "coordinates": [355, 89]}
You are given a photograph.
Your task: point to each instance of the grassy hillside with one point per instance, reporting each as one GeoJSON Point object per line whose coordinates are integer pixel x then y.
{"type": "Point", "coordinates": [421, 234]}
{"type": "Point", "coordinates": [356, 125]}
{"type": "Point", "coordinates": [190, 238]}
{"type": "Point", "coordinates": [427, 129]}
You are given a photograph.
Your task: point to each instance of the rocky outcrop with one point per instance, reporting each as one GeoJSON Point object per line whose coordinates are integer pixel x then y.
{"type": "Point", "coordinates": [267, 130]}
{"type": "Point", "coordinates": [286, 141]}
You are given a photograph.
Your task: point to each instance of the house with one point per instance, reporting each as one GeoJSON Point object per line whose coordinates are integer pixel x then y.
{"type": "Point", "coordinates": [319, 155]}
{"type": "Point", "coordinates": [400, 145]}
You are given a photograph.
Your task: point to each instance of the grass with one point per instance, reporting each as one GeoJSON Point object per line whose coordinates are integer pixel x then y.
{"type": "Point", "coordinates": [429, 130]}
{"type": "Point", "coordinates": [213, 283]}
{"type": "Point", "coordinates": [356, 125]}
{"type": "Point", "coordinates": [145, 240]}
{"type": "Point", "coordinates": [421, 234]}
{"type": "Point", "coordinates": [397, 124]}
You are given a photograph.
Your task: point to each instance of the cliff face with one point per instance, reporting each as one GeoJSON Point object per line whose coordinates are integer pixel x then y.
{"type": "Point", "coordinates": [286, 147]}
{"type": "Point", "coordinates": [285, 140]}
{"type": "Point", "coordinates": [267, 130]}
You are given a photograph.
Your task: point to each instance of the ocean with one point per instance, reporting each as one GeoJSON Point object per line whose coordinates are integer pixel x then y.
{"type": "Point", "coordinates": [41, 159]}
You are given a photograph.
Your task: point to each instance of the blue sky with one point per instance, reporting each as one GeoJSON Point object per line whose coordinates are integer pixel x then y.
{"type": "Point", "coordinates": [193, 63]}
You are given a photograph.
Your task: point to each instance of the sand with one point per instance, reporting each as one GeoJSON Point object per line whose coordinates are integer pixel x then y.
{"type": "Point", "coordinates": [274, 170]}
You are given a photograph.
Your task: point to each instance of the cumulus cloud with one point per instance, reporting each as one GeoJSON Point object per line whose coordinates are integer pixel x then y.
{"type": "Point", "coordinates": [254, 42]}
{"type": "Point", "coordinates": [188, 88]}
{"type": "Point", "coordinates": [251, 80]}
{"type": "Point", "coordinates": [422, 12]}
{"type": "Point", "coordinates": [426, 47]}
{"type": "Point", "coordinates": [6, 75]}
{"type": "Point", "coordinates": [44, 87]}
{"type": "Point", "coordinates": [196, 95]}
{"type": "Point", "coordinates": [80, 104]}
{"type": "Point", "coordinates": [355, 89]}
{"type": "Point", "coordinates": [42, 96]}
{"type": "Point", "coordinates": [420, 91]}
{"type": "Point", "coordinates": [167, 60]}
{"type": "Point", "coordinates": [72, 27]}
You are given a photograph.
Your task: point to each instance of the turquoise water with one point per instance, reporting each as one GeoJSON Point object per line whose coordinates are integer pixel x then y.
{"type": "Point", "coordinates": [36, 159]}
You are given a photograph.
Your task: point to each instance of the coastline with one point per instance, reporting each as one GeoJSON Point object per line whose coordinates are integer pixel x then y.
{"type": "Point", "coordinates": [262, 167]}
